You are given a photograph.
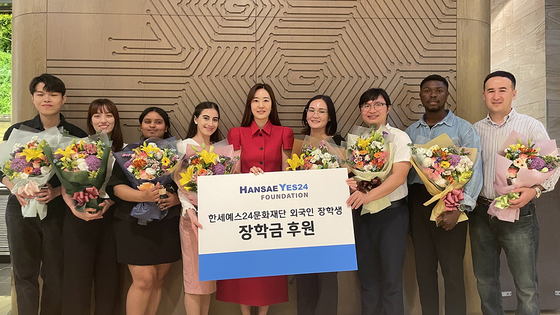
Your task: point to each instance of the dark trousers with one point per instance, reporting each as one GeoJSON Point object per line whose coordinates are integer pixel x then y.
{"type": "Point", "coordinates": [432, 245]}
{"type": "Point", "coordinates": [36, 249]}
{"type": "Point", "coordinates": [90, 256]}
{"type": "Point", "coordinates": [317, 293]}
{"type": "Point", "coordinates": [381, 249]}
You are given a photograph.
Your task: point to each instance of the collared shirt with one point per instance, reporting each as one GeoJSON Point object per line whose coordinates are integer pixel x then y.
{"type": "Point", "coordinates": [402, 154]}
{"type": "Point", "coordinates": [261, 147]}
{"type": "Point", "coordinates": [491, 133]}
{"type": "Point", "coordinates": [463, 134]}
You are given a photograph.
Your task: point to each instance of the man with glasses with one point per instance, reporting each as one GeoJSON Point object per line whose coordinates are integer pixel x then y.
{"type": "Point", "coordinates": [442, 241]}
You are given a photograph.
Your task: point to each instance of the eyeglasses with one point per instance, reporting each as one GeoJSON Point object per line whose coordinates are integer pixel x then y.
{"type": "Point", "coordinates": [321, 111]}
{"type": "Point", "coordinates": [377, 106]}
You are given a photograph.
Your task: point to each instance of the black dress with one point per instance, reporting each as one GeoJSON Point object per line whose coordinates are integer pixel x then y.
{"type": "Point", "coordinates": [156, 243]}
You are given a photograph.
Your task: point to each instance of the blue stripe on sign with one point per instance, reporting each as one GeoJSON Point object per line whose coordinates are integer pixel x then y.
{"type": "Point", "coordinates": [275, 262]}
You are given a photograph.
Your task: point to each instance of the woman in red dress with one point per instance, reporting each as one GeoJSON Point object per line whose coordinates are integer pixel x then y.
{"type": "Point", "coordinates": [265, 146]}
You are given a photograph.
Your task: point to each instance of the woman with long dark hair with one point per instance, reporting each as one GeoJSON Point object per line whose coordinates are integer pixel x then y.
{"type": "Point", "coordinates": [265, 146]}
{"type": "Point", "coordinates": [317, 293]}
{"type": "Point", "coordinates": [202, 131]}
{"type": "Point", "coordinates": [89, 243]}
{"type": "Point", "coordinates": [148, 249]}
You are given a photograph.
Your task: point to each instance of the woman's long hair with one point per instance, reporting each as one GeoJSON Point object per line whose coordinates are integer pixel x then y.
{"type": "Point", "coordinates": [191, 132]}
{"type": "Point", "coordinates": [105, 105]}
{"type": "Point", "coordinates": [248, 114]}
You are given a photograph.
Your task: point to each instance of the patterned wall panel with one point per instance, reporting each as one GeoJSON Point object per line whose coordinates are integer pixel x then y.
{"type": "Point", "coordinates": [175, 54]}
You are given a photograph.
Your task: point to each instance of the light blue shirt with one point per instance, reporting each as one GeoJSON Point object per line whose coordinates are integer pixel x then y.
{"type": "Point", "coordinates": [463, 134]}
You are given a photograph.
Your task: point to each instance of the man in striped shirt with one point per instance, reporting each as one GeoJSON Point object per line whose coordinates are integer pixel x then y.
{"type": "Point", "coordinates": [489, 235]}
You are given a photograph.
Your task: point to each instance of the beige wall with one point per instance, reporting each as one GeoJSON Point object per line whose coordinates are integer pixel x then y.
{"type": "Point", "coordinates": [552, 33]}
{"type": "Point", "coordinates": [518, 46]}
{"type": "Point", "coordinates": [177, 54]}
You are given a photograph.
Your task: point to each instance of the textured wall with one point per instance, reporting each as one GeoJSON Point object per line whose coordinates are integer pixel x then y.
{"type": "Point", "coordinates": [177, 54]}
{"type": "Point", "coordinates": [552, 33]}
{"type": "Point", "coordinates": [141, 53]}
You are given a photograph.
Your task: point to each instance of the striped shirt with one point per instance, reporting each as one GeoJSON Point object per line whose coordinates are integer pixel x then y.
{"type": "Point", "coordinates": [491, 134]}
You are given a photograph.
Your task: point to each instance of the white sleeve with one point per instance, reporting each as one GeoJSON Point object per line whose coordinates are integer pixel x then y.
{"type": "Point", "coordinates": [401, 141]}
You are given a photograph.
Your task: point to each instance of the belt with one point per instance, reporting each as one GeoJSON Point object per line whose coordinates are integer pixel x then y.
{"type": "Point", "coordinates": [397, 203]}
{"type": "Point", "coordinates": [484, 201]}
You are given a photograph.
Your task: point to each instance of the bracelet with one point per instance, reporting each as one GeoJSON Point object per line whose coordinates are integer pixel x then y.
{"type": "Point", "coordinates": [539, 192]}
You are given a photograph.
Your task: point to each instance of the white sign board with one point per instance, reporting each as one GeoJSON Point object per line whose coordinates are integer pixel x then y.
{"type": "Point", "coordinates": [276, 223]}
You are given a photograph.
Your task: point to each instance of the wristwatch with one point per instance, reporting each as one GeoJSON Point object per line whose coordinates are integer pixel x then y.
{"type": "Point", "coordinates": [538, 190]}
{"type": "Point", "coordinates": [462, 208]}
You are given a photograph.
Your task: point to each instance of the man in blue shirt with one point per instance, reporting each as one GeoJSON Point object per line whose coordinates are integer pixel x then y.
{"type": "Point", "coordinates": [444, 241]}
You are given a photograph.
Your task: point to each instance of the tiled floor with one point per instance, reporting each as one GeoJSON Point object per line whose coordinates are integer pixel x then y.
{"type": "Point", "coordinates": [5, 289]}
{"type": "Point", "coordinates": [5, 292]}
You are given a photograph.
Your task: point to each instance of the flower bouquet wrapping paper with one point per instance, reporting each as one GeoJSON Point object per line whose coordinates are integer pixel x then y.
{"type": "Point", "coordinates": [520, 163]}
{"type": "Point", "coordinates": [369, 155]}
{"type": "Point", "coordinates": [312, 153]}
{"type": "Point", "coordinates": [81, 166]}
{"type": "Point", "coordinates": [145, 164]}
{"type": "Point", "coordinates": [444, 169]}
{"type": "Point", "coordinates": [218, 159]}
{"type": "Point", "coordinates": [26, 165]}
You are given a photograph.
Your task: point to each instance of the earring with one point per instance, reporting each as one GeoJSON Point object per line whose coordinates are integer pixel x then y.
{"type": "Point", "coordinates": [195, 123]}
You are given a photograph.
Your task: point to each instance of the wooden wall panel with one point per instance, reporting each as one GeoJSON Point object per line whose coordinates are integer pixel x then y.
{"type": "Point", "coordinates": [177, 54]}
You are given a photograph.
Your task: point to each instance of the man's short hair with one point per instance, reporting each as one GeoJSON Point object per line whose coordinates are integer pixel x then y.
{"type": "Point", "coordinates": [52, 84]}
{"type": "Point", "coordinates": [434, 77]}
{"type": "Point", "coordinates": [503, 74]}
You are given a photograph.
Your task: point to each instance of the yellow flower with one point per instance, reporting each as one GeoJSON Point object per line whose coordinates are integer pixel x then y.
{"type": "Point", "coordinates": [150, 149]}
{"type": "Point", "coordinates": [209, 157]}
{"type": "Point", "coordinates": [363, 143]}
{"type": "Point", "coordinates": [445, 164]}
{"type": "Point", "coordinates": [186, 176]}
{"type": "Point", "coordinates": [465, 176]}
{"type": "Point", "coordinates": [295, 162]}
{"type": "Point", "coordinates": [165, 161]}
{"type": "Point", "coordinates": [67, 152]}
{"type": "Point", "coordinates": [32, 154]}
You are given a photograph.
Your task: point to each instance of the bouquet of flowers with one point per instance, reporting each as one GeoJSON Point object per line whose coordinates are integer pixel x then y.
{"type": "Point", "coordinates": [24, 162]}
{"type": "Point", "coordinates": [444, 169]}
{"type": "Point", "coordinates": [521, 163]}
{"type": "Point", "coordinates": [81, 166]}
{"type": "Point", "coordinates": [219, 159]}
{"type": "Point", "coordinates": [315, 154]}
{"type": "Point", "coordinates": [146, 163]}
{"type": "Point", "coordinates": [370, 157]}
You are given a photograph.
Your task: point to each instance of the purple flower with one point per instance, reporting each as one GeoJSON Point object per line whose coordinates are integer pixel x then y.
{"type": "Point", "coordinates": [19, 164]}
{"type": "Point", "coordinates": [128, 163]}
{"type": "Point", "coordinates": [439, 159]}
{"type": "Point", "coordinates": [385, 133]}
{"type": "Point", "coordinates": [93, 162]}
{"type": "Point", "coordinates": [218, 169]}
{"type": "Point", "coordinates": [58, 156]}
{"type": "Point", "coordinates": [454, 160]}
{"type": "Point", "coordinates": [36, 171]}
{"type": "Point", "coordinates": [537, 163]}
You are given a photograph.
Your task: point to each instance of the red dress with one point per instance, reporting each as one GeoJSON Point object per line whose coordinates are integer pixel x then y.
{"type": "Point", "coordinates": [262, 148]}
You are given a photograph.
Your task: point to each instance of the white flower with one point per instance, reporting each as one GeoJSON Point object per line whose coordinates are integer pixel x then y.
{"type": "Point", "coordinates": [150, 171]}
{"type": "Point", "coordinates": [159, 155]}
{"type": "Point", "coordinates": [334, 165]}
{"type": "Point", "coordinates": [314, 167]}
{"type": "Point", "coordinates": [45, 169]}
{"type": "Point", "coordinates": [130, 169]}
{"type": "Point", "coordinates": [428, 162]}
{"type": "Point", "coordinates": [17, 146]}
{"type": "Point", "coordinates": [82, 165]}
{"type": "Point", "coordinates": [34, 139]}
{"type": "Point", "coordinates": [326, 156]}
{"type": "Point", "coordinates": [23, 175]}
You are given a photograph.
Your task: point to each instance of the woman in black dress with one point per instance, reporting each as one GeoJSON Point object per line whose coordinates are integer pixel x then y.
{"type": "Point", "coordinates": [149, 249]}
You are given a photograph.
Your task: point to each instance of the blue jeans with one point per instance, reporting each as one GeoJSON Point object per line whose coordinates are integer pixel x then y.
{"type": "Point", "coordinates": [520, 242]}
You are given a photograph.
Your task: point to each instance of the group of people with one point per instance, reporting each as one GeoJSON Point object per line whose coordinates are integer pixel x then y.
{"type": "Point", "coordinates": [75, 252]}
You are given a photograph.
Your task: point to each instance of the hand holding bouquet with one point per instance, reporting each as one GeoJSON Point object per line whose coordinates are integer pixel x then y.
{"type": "Point", "coordinates": [520, 163]}
{"type": "Point", "coordinates": [26, 165]}
{"type": "Point", "coordinates": [370, 157]}
{"type": "Point", "coordinates": [81, 166]}
{"type": "Point", "coordinates": [315, 154]}
{"type": "Point", "coordinates": [219, 159]}
{"type": "Point", "coordinates": [147, 163]}
{"type": "Point", "coordinates": [444, 169]}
